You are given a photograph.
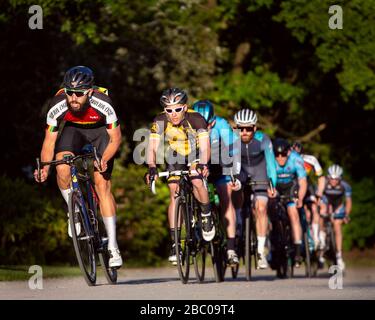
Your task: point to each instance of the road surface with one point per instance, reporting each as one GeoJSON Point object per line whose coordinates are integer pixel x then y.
{"type": "Point", "coordinates": [164, 284]}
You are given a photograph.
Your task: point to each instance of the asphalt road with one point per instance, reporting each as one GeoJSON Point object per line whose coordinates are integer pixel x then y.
{"type": "Point", "coordinates": [164, 284]}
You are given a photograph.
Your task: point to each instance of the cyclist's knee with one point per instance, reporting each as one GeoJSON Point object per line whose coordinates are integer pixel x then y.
{"type": "Point", "coordinates": [103, 187]}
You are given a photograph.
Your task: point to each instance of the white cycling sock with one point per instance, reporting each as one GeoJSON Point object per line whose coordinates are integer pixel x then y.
{"type": "Point", "coordinates": [315, 228]}
{"type": "Point", "coordinates": [322, 237]}
{"type": "Point", "coordinates": [65, 193]}
{"type": "Point", "coordinates": [261, 243]}
{"type": "Point", "coordinates": [338, 255]}
{"type": "Point", "coordinates": [110, 226]}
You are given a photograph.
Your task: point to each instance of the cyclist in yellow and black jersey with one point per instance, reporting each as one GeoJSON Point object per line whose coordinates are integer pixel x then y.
{"type": "Point", "coordinates": [186, 133]}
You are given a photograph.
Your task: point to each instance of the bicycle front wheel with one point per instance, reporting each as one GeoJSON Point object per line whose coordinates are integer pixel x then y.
{"type": "Point", "coordinates": [308, 269]}
{"type": "Point", "coordinates": [83, 239]}
{"type": "Point", "coordinates": [110, 273]}
{"type": "Point", "coordinates": [182, 240]}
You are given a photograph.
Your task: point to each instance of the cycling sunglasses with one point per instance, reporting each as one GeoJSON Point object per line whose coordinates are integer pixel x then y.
{"type": "Point", "coordinates": [283, 154]}
{"type": "Point", "coordinates": [78, 93]}
{"type": "Point", "coordinates": [177, 110]}
{"type": "Point", "coordinates": [248, 129]}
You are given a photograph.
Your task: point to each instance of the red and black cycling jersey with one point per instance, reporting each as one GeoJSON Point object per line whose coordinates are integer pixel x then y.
{"type": "Point", "coordinates": [97, 113]}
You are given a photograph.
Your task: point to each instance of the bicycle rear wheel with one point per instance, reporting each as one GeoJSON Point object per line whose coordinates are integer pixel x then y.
{"type": "Point", "coordinates": [84, 241]}
{"type": "Point", "coordinates": [308, 269]}
{"type": "Point", "coordinates": [199, 260]}
{"type": "Point", "coordinates": [182, 240]}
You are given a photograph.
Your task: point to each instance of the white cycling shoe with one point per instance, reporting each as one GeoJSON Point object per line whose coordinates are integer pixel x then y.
{"type": "Point", "coordinates": [262, 261]}
{"type": "Point", "coordinates": [341, 264]}
{"type": "Point", "coordinates": [115, 260]}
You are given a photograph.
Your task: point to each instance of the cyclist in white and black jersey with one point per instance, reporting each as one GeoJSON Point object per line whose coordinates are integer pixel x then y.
{"type": "Point", "coordinates": [313, 196]}
{"type": "Point", "coordinates": [84, 115]}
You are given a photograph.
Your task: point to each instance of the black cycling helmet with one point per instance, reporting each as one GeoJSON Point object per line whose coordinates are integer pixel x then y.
{"type": "Point", "coordinates": [173, 96]}
{"type": "Point", "coordinates": [206, 109]}
{"type": "Point", "coordinates": [79, 77]}
{"type": "Point", "coordinates": [280, 146]}
{"type": "Point", "coordinates": [297, 146]}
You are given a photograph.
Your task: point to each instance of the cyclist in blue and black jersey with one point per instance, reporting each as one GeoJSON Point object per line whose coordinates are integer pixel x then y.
{"type": "Point", "coordinates": [258, 164]}
{"type": "Point", "coordinates": [335, 191]}
{"type": "Point", "coordinates": [224, 145]}
{"type": "Point", "coordinates": [292, 183]}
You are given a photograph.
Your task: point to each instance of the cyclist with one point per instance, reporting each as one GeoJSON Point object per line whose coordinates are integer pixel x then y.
{"type": "Point", "coordinates": [336, 189]}
{"type": "Point", "coordinates": [291, 182]}
{"type": "Point", "coordinates": [312, 198]}
{"type": "Point", "coordinates": [222, 137]}
{"type": "Point", "coordinates": [187, 136]}
{"type": "Point", "coordinates": [84, 114]}
{"type": "Point", "coordinates": [257, 163]}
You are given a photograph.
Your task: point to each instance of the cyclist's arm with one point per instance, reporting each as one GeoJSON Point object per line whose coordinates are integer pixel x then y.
{"type": "Point", "coordinates": [204, 147]}
{"type": "Point", "coordinates": [321, 185]}
{"type": "Point", "coordinates": [302, 184]}
{"type": "Point", "coordinates": [348, 206]}
{"type": "Point", "coordinates": [113, 145]}
{"type": "Point", "coordinates": [270, 159]}
{"type": "Point", "coordinates": [48, 148]}
{"type": "Point", "coordinates": [153, 143]}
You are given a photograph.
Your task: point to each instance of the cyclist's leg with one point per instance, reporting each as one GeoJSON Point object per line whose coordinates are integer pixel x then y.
{"type": "Point", "coordinates": [227, 210]}
{"type": "Point", "coordinates": [68, 143]}
{"type": "Point", "coordinates": [337, 225]}
{"type": "Point", "coordinates": [296, 231]}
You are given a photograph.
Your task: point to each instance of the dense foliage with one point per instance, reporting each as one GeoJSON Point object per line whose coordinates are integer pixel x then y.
{"type": "Point", "coordinates": [306, 81]}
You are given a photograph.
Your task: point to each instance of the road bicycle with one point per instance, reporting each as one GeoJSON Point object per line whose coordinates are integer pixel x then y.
{"type": "Point", "coordinates": [91, 241]}
{"type": "Point", "coordinates": [190, 246]}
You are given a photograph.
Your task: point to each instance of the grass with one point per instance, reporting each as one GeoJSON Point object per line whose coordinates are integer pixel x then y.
{"type": "Point", "coordinates": [20, 273]}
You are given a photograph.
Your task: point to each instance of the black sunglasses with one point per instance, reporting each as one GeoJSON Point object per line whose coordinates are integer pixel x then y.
{"type": "Point", "coordinates": [283, 154]}
{"type": "Point", "coordinates": [78, 93]}
{"type": "Point", "coordinates": [248, 129]}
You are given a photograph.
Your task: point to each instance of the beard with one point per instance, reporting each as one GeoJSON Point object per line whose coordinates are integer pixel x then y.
{"type": "Point", "coordinates": [76, 107]}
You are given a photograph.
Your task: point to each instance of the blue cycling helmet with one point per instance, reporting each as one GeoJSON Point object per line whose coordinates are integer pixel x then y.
{"type": "Point", "coordinates": [206, 109]}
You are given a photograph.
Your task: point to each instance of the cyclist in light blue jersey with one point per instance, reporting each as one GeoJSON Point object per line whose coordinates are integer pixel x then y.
{"type": "Point", "coordinates": [292, 183]}
{"type": "Point", "coordinates": [224, 145]}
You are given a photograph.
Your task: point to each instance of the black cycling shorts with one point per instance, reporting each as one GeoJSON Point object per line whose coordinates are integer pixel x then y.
{"type": "Point", "coordinates": [73, 139]}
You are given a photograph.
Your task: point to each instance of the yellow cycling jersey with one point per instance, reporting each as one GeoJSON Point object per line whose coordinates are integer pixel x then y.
{"type": "Point", "coordinates": [183, 137]}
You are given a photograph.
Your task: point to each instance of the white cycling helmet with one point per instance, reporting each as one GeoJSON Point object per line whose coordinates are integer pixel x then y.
{"type": "Point", "coordinates": [335, 171]}
{"type": "Point", "coordinates": [245, 117]}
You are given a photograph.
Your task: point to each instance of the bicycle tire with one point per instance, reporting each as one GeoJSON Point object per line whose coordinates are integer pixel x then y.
{"type": "Point", "coordinates": [83, 243]}
{"type": "Point", "coordinates": [248, 248]}
{"type": "Point", "coordinates": [308, 270]}
{"type": "Point", "coordinates": [216, 247]}
{"type": "Point", "coordinates": [109, 273]}
{"type": "Point", "coordinates": [182, 241]}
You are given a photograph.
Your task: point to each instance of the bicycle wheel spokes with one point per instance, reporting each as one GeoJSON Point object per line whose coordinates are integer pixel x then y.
{"type": "Point", "coordinates": [182, 240]}
{"type": "Point", "coordinates": [83, 240]}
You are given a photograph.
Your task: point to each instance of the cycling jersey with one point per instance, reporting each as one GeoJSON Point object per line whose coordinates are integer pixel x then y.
{"type": "Point", "coordinates": [311, 163]}
{"type": "Point", "coordinates": [224, 145]}
{"type": "Point", "coordinates": [293, 168]}
{"type": "Point", "coordinates": [97, 113]}
{"type": "Point", "coordinates": [258, 159]}
{"type": "Point", "coordinates": [335, 195]}
{"type": "Point", "coordinates": [182, 138]}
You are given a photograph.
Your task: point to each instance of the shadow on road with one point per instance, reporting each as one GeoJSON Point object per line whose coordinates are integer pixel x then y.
{"type": "Point", "coordinates": [148, 281]}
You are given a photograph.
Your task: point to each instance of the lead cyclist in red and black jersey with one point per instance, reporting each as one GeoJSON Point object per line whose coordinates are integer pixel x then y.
{"type": "Point", "coordinates": [81, 114]}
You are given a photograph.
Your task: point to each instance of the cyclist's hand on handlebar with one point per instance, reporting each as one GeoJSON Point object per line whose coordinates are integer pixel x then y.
{"type": "Point", "coordinates": [152, 174]}
{"type": "Point", "coordinates": [43, 175]}
{"type": "Point", "coordinates": [270, 193]}
{"type": "Point", "coordinates": [202, 169]}
{"type": "Point", "coordinates": [103, 165]}
{"type": "Point", "coordinates": [235, 185]}
{"type": "Point", "coordinates": [346, 220]}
